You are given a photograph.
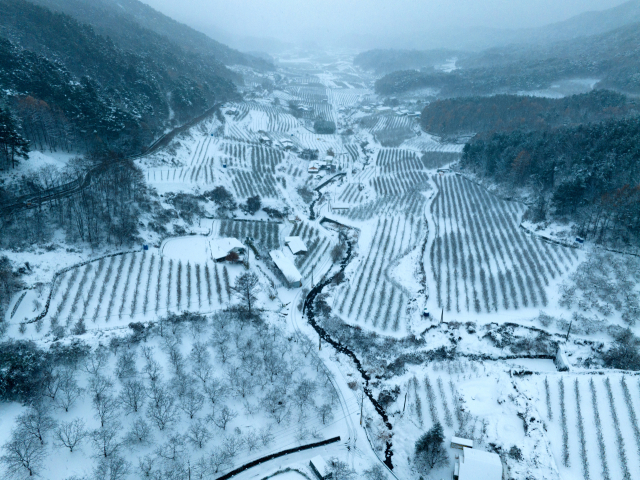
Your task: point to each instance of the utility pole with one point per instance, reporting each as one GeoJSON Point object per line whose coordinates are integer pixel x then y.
{"type": "Point", "coordinates": [568, 331]}
{"type": "Point", "coordinates": [405, 402]}
{"type": "Point", "coordinates": [442, 315]}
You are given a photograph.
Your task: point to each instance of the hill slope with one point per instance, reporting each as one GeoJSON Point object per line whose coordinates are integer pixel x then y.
{"type": "Point", "coordinates": [114, 18]}
{"type": "Point", "coordinates": [613, 58]}
{"type": "Point", "coordinates": [75, 89]}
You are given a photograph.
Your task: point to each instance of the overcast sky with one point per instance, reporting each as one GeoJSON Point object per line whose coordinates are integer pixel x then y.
{"type": "Point", "coordinates": [335, 21]}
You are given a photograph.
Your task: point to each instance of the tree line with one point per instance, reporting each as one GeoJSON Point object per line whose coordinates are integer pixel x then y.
{"type": "Point", "coordinates": [470, 115]}
{"type": "Point", "coordinates": [588, 173]}
{"type": "Point", "coordinates": [106, 211]}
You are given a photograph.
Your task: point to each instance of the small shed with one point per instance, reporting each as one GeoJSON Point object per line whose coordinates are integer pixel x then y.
{"type": "Point", "coordinates": [287, 268]}
{"type": "Point", "coordinates": [477, 465]}
{"type": "Point", "coordinates": [223, 248]}
{"type": "Point", "coordinates": [296, 245]}
{"type": "Point", "coordinates": [561, 360]}
{"type": "Point", "coordinates": [320, 468]}
{"type": "Point", "coordinates": [460, 443]}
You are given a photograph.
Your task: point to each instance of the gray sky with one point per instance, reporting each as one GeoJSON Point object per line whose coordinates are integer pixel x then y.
{"type": "Point", "coordinates": [354, 22]}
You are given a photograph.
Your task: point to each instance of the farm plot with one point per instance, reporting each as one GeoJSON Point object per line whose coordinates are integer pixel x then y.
{"type": "Point", "coordinates": [427, 143]}
{"type": "Point", "coordinates": [373, 298]}
{"type": "Point", "coordinates": [347, 97]}
{"type": "Point", "coordinates": [255, 117]}
{"type": "Point", "coordinates": [122, 287]}
{"type": "Point", "coordinates": [318, 247]}
{"type": "Point", "coordinates": [411, 204]}
{"type": "Point", "coordinates": [265, 235]}
{"type": "Point", "coordinates": [592, 423]}
{"type": "Point", "coordinates": [480, 259]}
{"type": "Point", "coordinates": [398, 172]}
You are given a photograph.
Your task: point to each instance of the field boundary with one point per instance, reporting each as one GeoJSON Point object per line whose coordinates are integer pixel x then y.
{"type": "Point", "coordinates": [282, 453]}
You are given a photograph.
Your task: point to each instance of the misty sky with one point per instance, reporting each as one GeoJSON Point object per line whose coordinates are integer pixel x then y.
{"type": "Point", "coordinates": [364, 21]}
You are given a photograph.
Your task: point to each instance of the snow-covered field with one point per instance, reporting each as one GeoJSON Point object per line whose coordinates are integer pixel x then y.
{"type": "Point", "coordinates": [220, 390]}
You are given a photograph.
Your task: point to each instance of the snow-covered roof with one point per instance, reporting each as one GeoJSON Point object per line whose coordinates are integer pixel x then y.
{"type": "Point", "coordinates": [479, 465]}
{"type": "Point", "coordinates": [320, 465]}
{"type": "Point", "coordinates": [220, 247]}
{"type": "Point", "coordinates": [286, 266]}
{"type": "Point", "coordinates": [462, 442]}
{"type": "Point", "coordinates": [296, 245]}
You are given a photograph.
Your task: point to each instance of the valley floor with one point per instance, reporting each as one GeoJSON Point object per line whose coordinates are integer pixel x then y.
{"type": "Point", "coordinates": [453, 310]}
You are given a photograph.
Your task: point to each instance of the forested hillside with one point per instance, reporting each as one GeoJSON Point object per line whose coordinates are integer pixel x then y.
{"type": "Point", "coordinates": [613, 58]}
{"type": "Point", "coordinates": [385, 61]}
{"type": "Point", "coordinates": [71, 88]}
{"type": "Point", "coordinates": [115, 18]}
{"type": "Point", "coordinates": [587, 172]}
{"type": "Point", "coordinates": [469, 115]}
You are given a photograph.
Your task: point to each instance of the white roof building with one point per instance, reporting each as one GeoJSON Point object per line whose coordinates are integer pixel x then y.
{"type": "Point", "coordinates": [477, 465]}
{"type": "Point", "coordinates": [319, 467]}
{"type": "Point", "coordinates": [287, 268]}
{"type": "Point", "coordinates": [221, 247]}
{"type": "Point", "coordinates": [295, 244]}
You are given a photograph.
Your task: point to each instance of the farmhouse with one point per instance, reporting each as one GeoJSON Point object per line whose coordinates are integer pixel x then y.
{"type": "Point", "coordinates": [477, 465]}
{"type": "Point", "coordinates": [295, 244]}
{"type": "Point", "coordinates": [287, 268]}
{"type": "Point", "coordinates": [319, 467]}
{"type": "Point", "coordinates": [229, 249]}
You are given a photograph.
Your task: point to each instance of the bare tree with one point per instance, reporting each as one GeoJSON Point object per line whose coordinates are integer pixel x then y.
{"type": "Point", "coordinates": [216, 391]}
{"type": "Point", "coordinates": [275, 404]}
{"type": "Point", "coordinates": [303, 393]}
{"type": "Point", "coordinates": [51, 381]}
{"type": "Point", "coordinates": [113, 467]}
{"type": "Point", "coordinates": [201, 361]}
{"type": "Point", "coordinates": [69, 391]}
{"type": "Point", "coordinates": [266, 437]}
{"type": "Point", "coordinates": [36, 421]}
{"type": "Point", "coordinates": [23, 455]}
{"type": "Point", "coordinates": [70, 434]}
{"type": "Point", "coordinates": [191, 401]}
{"type": "Point", "coordinates": [99, 385]}
{"type": "Point", "coordinates": [126, 364]}
{"type": "Point", "coordinates": [105, 440]}
{"type": "Point", "coordinates": [232, 445]}
{"type": "Point", "coordinates": [339, 470]}
{"type": "Point", "coordinates": [153, 370]}
{"type": "Point", "coordinates": [173, 449]}
{"type": "Point", "coordinates": [132, 395]}
{"type": "Point", "coordinates": [325, 412]}
{"type": "Point", "coordinates": [241, 383]}
{"type": "Point", "coordinates": [224, 417]}
{"type": "Point", "coordinates": [139, 433]}
{"type": "Point", "coordinates": [106, 408]}
{"type": "Point", "coordinates": [162, 409]}
{"type": "Point", "coordinates": [251, 440]}
{"type": "Point", "coordinates": [95, 361]}
{"type": "Point", "coordinates": [246, 288]}
{"type": "Point", "coordinates": [198, 434]}
{"type": "Point", "coordinates": [218, 459]}
{"type": "Point", "coordinates": [376, 472]}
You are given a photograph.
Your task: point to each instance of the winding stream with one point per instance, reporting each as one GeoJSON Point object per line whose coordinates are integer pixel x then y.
{"type": "Point", "coordinates": [308, 303]}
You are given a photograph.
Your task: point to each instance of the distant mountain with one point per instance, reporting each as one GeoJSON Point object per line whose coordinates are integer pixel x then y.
{"type": "Point", "coordinates": [390, 60]}
{"type": "Point", "coordinates": [74, 88]}
{"type": "Point", "coordinates": [613, 58]}
{"type": "Point", "coordinates": [113, 18]}
{"type": "Point", "coordinates": [481, 38]}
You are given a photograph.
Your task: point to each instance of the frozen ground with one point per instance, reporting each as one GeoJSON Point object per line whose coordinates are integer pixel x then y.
{"type": "Point", "coordinates": [421, 239]}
